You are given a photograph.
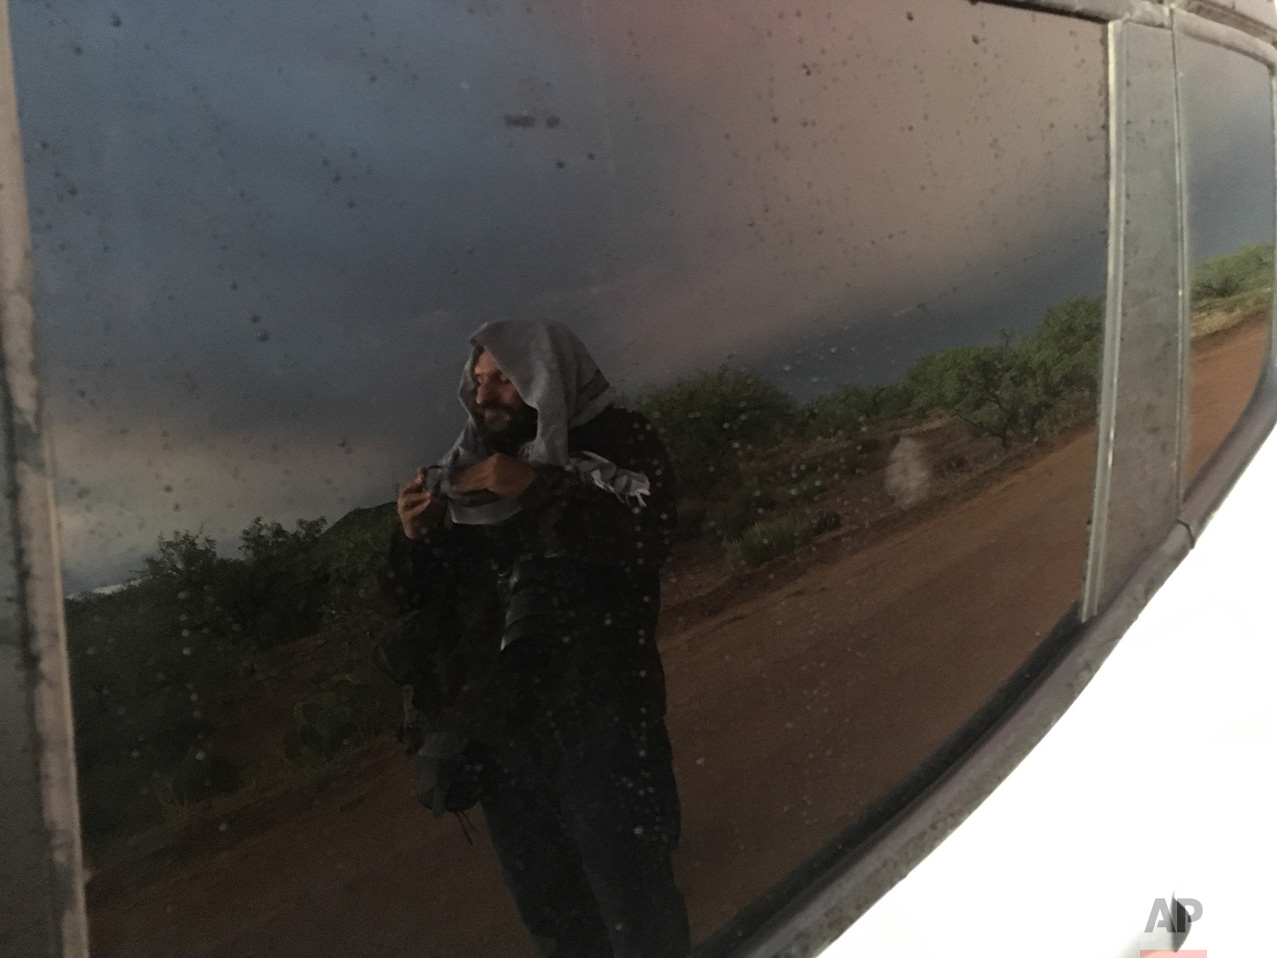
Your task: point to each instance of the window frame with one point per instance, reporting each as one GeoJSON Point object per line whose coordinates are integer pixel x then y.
{"type": "Point", "coordinates": [813, 905]}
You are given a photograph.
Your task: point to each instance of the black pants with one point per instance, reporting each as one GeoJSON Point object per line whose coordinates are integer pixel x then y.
{"type": "Point", "coordinates": [584, 821]}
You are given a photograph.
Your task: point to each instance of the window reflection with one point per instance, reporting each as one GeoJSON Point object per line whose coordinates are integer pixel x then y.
{"type": "Point", "coordinates": [1259, 10]}
{"type": "Point", "coordinates": [848, 261]}
{"type": "Point", "coordinates": [1228, 129]}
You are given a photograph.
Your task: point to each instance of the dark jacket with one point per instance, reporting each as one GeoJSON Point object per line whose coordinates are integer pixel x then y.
{"type": "Point", "coordinates": [570, 584]}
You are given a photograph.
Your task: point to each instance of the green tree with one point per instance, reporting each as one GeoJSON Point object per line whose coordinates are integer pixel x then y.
{"type": "Point", "coordinates": [279, 587]}
{"type": "Point", "coordinates": [1246, 269]}
{"type": "Point", "coordinates": [195, 585]}
{"type": "Point", "coordinates": [709, 421]}
{"type": "Point", "coordinates": [352, 550]}
{"type": "Point", "coordinates": [186, 557]}
{"type": "Point", "coordinates": [1009, 390]}
{"type": "Point", "coordinates": [145, 661]}
{"type": "Point", "coordinates": [978, 384]}
{"type": "Point", "coordinates": [844, 410]}
{"type": "Point", "coordinates": [1061, 359]}
{"type": "Point", "coordinates": [265, 543]}
{"type": "Point", "coordinates": [273, 593]}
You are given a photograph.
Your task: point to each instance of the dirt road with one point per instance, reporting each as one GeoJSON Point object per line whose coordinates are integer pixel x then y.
{"type": "Point", "coordinates": [790, 712]}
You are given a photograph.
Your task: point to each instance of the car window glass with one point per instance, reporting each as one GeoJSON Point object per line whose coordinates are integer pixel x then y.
{"type": "Point", "coordinates": [1261, 10]}
{"type": "Point", "coordinates": [1228, 133]}
{"type": "Point", "coordinates": [849, 262]}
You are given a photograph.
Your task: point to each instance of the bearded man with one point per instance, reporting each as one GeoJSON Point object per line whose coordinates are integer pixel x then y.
{"type": "Point", "coordinates": [535, 546]}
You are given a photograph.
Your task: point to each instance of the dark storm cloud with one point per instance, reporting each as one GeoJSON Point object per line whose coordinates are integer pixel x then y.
{"type": "Point", "coordinates": [1228, 131]}
{"type": "Point", "coordinates": [204, 158]}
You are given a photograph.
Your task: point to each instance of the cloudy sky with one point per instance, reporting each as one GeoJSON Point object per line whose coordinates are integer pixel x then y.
{"type": "Point", "coordinates": [264, 231]}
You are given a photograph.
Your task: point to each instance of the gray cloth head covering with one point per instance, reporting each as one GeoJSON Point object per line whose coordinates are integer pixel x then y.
{"type": "Point", "coordinates": [555, 375]}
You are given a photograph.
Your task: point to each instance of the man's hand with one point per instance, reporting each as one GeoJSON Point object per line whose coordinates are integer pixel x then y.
{"type": "Point", "coordinates": [506, 476]}
{"type": "Point", "coordinates": [420, 512]}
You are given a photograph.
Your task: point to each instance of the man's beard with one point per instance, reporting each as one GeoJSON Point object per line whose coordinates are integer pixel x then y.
{"type": "Point", "coordinates": [506, 429]}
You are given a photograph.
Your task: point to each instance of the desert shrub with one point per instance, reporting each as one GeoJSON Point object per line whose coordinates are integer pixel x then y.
{"type": "Point", "coordinates": [891, 401]}
{"type": "Point", "coordinates": [824, 462]}
{"type": "Point", "coordinates": [147, 659]}
{"type": "Point", "coordinates": [187, 558]}
{"type": "Point", "coordinates": [141, 677]}
{"type": "Point", "coordinates": [709, 421]}
{"type": "Point", "coordinates": [805, 490]}
{"type": "Point", "coordinates": [1074, 409]}
{"type": "Point", "coordinates": [842, 412]}
{"type": "Point", "coordinates": [978, 384]}
{"type": "Point", "coordinates": [196, 587]}
{"type": "Point", "coordinates": [792, 474]}
{"type": "Point", "coordinates": [779, 535]}
{"type": "Point", "coordinates": [739, 509]}
{"type": "Point", "coordinates": [274, 592]}
{"type": "Point", "coordinates": [847, 409]}
{"type": "Point", "coordinates": [351, 551]}
{"type": "Point", "coordinates": [345, 713]}
{"type": "Point", "coordinates": [114, 798]}
{"type": "Point", "coordinates": [1059, 367]}
{"type": "Point", "coordinates": [1246, 269]}
{"type": "Point", "coordinates": [198, 775]}
{"type": "Point", "coordinates": [281, 582]}
{"type": "Point", "coordinates": [1064, 352]}
{"type": "Point", "coordinates": [1009, 390]}
{"type": "Point", "coordinates": [693, 514]}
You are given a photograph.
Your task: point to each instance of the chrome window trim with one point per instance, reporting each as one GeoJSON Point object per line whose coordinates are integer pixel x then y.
{"type": "Point", "coordinates": [1110, 358]}
{"type": "Point", "coordinates": [1184, 293]}
{"type": "Point", "coordinates": [1149, 12]}
{"type": "Point", "coordinates": [1141, 426]}
{"type": "Point", "coordinates": [1262, 31]}
{"type": "Point", "coordinates": [805, 911]}
{"type": "Point", "coordinates": [1221, 33]}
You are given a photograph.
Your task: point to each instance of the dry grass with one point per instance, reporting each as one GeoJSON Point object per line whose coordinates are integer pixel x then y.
{"type": "Point", "coordinates": [1220, 315]}
{"type": "Point", "coordinates": [270, 780]}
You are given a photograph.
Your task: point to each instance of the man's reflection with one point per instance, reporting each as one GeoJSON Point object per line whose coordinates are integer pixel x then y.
{"type": "Point", "coordinates": [527, 568]}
